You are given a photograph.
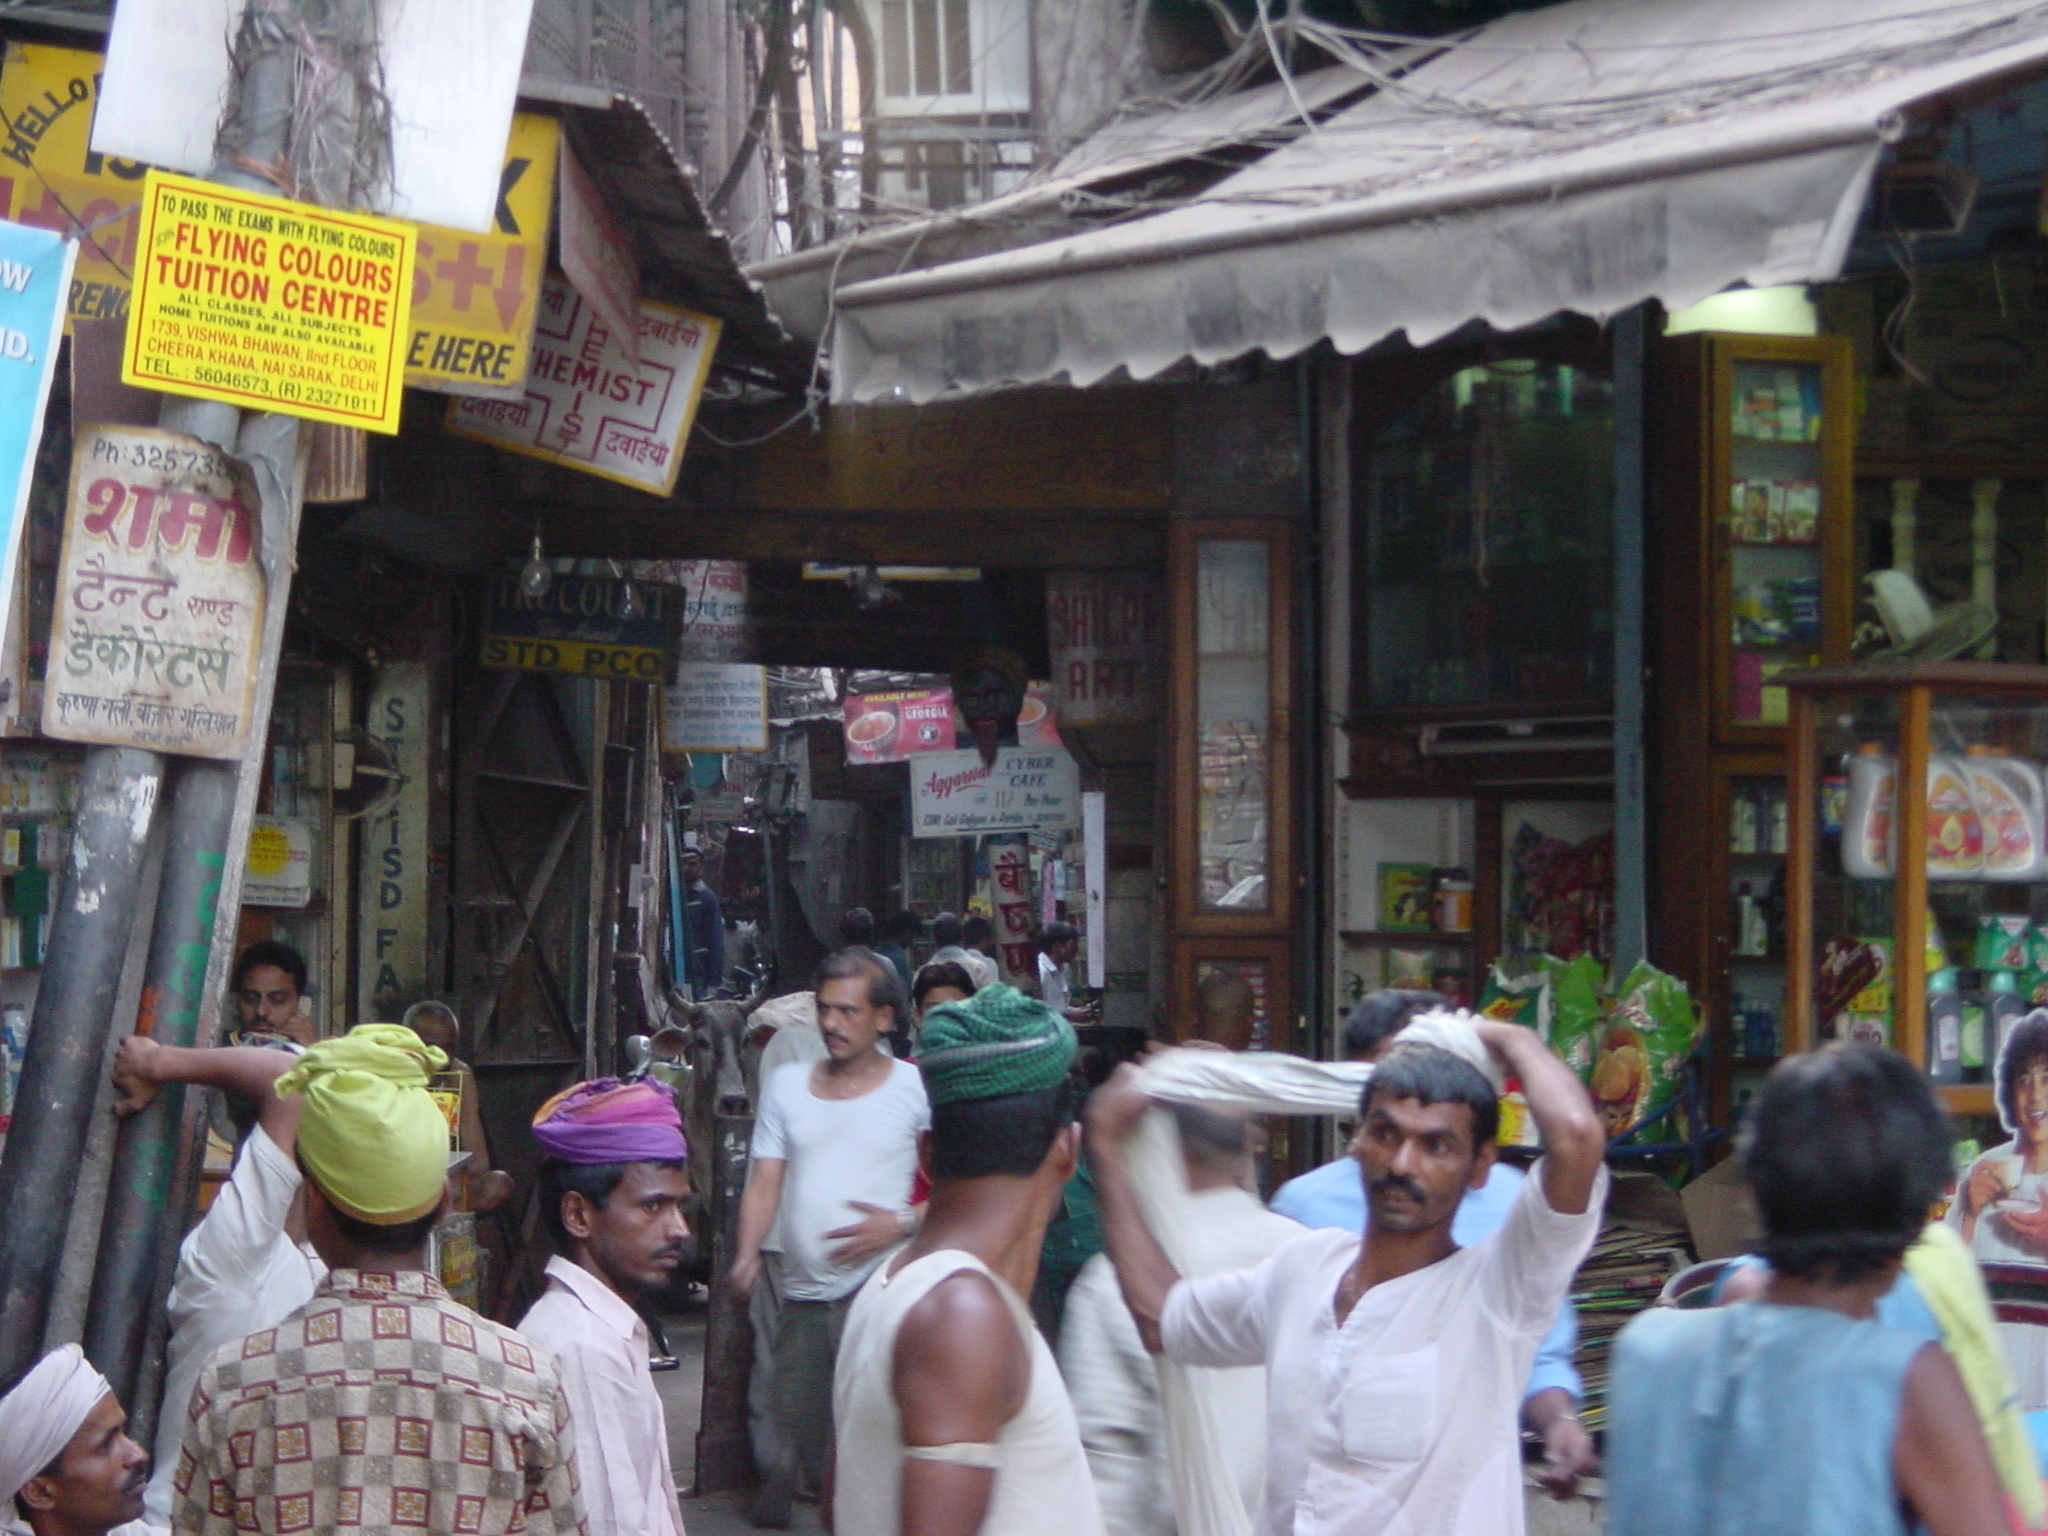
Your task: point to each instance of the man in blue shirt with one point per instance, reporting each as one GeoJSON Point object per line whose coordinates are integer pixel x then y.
{"type": "Point", "coordinates": [703, 928]}
{"type": "Point", "coordinates": [1334, 1196]}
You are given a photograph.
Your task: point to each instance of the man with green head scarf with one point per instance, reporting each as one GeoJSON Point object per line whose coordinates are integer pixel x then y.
{"type": "Point", "coordinates": [950, 1411]}
{"type": "Point", "coordinates": [380, 1404]}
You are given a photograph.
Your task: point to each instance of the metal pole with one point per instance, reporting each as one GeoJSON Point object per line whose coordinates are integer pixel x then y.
{"type": "Point", "coordinates": [1631, 804]}
{"type": "Point", "coordinates": [60, 1075]}
{"type": "Point", "coordinates": [125, 1291]}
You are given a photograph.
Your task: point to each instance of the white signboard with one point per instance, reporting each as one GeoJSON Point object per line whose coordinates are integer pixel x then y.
{"type": "Point", "coordinates": [1108, 634]}
{"type": "Point", "coordinates": [591, 407]}
{"type": "Point", "coordinates": [394, 895]}
{"type": "Point", "coordinates": [716, 706]}
{"type": "Point", "coordinates": [159, 597]}
{"type": "Point", "coordinates": [448, 68]}
{"type": "Point", "coordinates": [279, 872]}
{"type": "Point", "coordinates": [955, 794]}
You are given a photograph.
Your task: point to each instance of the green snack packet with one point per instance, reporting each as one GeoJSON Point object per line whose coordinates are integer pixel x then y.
{"type": "Point", "coordinates": [1575, 1010]}
{"type": "Point", "coordinates": [1517, 990]}
{"type": "Point", "coordinates": [1642, 1047]}
{"type": "Point", "coordinates": [2004, 941]}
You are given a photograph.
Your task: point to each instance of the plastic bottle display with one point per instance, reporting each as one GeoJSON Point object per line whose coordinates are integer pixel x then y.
{"type": "Point", "coordinates": [1955, 834]}
{"type": "Point", "coordinates": [2008, 796]}
{"type": "Point", "coordinates": [1945, 1027]}
{"type": "Point", "coordinates": [1867, 817]}
{"type": "Point", "coordinates": [1973, 1039]}
{"type": "Point", "coordinates": [2005, 1008]}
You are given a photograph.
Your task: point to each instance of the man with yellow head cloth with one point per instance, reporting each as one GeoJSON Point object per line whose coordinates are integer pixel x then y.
{"type": "Point", "coordinates": [381, 1404]}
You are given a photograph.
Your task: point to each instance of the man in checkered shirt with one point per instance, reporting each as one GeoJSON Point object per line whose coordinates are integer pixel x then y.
{"type": "Point", "coordinates": [381, 1404]}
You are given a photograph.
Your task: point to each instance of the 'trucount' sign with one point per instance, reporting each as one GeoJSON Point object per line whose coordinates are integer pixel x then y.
{"type": "Point", "coordinates": [269, 304]}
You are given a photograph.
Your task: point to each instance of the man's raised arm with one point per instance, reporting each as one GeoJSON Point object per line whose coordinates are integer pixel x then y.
{"type": "Point", "coordinates": [1142, 1267]}
{"type": "Point", "coordinates": [1574, 1141]}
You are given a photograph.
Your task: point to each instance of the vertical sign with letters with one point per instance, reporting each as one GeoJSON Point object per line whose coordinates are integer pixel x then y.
{"type": "Point", "coordinates": [393, 885]}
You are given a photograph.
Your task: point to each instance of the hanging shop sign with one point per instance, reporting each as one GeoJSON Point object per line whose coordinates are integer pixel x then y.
{"type": "Point", "coordinates": [279, 870]}
{"type": "Point", "coordinates": [159, 597]}
{"type": "Point", "coordinates": [394, 900]}
{"type": "Point", "coordinates": [597, 255]}
{"type": "Point", "coordinates": [585, 626]}
{"type": "Point", "coordinates": [1108, 634]}
{"type": "Point", "coordinates": [49, 179]}
{"type": "Point", "coordinates": [956, 794]}
{"type": "Point", "coordinates": [588, 405]}
{"type": "Point", "coordinates": [35, 270]}
{"type": "Point", "coordinates": [269, 304]}
{"type": "Point", "coordinates": [896, 726]}
{"type": "Point", "coordinates": [1009, 898]}
{"type": "Point", "coordinates": [475, 296]}
{"type": "Point", "coordinates": [715, 706]}
{"type": "Point", "coordinates": [714, 608]}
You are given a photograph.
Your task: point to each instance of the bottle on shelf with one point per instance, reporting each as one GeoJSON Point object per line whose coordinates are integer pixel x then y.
{"type": "Point", "coordinates": [1974, 1036]}
{"type": "Point", "coordinates": [1867, 836]}
{"type": "Point", "coordinates": [2005, 1007]}
{"type": "Point", "coordinates": [2008, 794]}
{"type": "Point", "coordinates": [1945, 1026]}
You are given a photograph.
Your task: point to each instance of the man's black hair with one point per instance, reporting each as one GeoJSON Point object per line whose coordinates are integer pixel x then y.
{"type": "Point", "coordinates": [945, 930]}
{"type": "Point", "coordinates": [885, 987]}
{"type": "Point", "coordinates": [2027, 1044]}
{"type": "Point", "coordinates": [1382, 1013]}
{"type": "Point", "coordinates": [980, 1138]}
{"type": "Point", "coordinates": [939, 973]}
{"type": "Point", "coordinates": [974, 929]}
{"type": "Point", "coordinates": [1056, 933]}
{"type": "Point", "coordinates": [857, 926]}
{"type": "Point", "coordinates": [906, 927]}
{"type": "Point", "coordinates": [593, 1181]}
{"type": "Point", "coordinates": [1846, 1150]}
{"type": "Point", "coordinates": [376, 1237]}
{"type": "Point", "coordinates": [1431, 1075]}
{"type": "Point", "coordinates": [269, 952]}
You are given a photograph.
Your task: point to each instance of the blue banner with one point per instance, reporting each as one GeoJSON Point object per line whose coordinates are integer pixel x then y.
{"type": "Point", "coordinates": [35, 278]}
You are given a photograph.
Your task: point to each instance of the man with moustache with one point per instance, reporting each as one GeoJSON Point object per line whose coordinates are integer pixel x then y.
{"type": "Point", "coordinates": [835, 1156]}
{"type": "Point", "coordinates": [67, 1466]}
{"type": "Point", "coordinates": [611, 1191]}
{"type": "Point", "coordinates": [1395, 1361]}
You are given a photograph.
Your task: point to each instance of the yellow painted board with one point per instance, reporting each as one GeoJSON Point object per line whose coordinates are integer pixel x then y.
{"type": "Point", "coordinates": [269, 304]}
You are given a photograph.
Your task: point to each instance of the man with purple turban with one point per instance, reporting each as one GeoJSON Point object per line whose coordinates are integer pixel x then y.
{"type": "Point", "coordinates": [611, 1191]}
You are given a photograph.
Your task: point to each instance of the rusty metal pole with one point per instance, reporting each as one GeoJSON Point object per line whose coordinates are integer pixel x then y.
{"type": "Point", "coordinates": [725, 1454]}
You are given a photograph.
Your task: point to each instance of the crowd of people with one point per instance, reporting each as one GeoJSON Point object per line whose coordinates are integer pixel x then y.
{"type": "Point", "coordinates": [994, 1290]}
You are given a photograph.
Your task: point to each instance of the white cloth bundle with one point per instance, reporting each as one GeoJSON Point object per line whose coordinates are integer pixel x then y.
{"type": "Point", "coordinates": [1211, 1416]}
{"type": "Point", "coordinates": [39, 1417]}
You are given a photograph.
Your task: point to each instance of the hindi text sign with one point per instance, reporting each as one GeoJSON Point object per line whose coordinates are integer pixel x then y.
{"type": "Point", "coordinates": [269, 304]}
{"type": "Point", "coordinates": [587, 405]}
{"type": "Point", "coordinates": [716, 706]}
{"type": "Point", "coordinates": [955, 794]}
{"type": "Point", "coordinates": [159, 597]}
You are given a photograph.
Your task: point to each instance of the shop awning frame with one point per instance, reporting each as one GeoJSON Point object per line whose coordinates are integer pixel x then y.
{"type": "Point", "coordinates": [1471, 192]}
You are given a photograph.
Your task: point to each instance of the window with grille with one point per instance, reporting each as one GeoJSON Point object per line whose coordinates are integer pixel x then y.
{"type": "Point", "coordinates": [927, 48]}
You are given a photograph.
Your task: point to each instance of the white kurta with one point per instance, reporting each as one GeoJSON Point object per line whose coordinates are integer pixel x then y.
{"type": "Point", "coordinates": [237, 1273]}
{"type": "Point", "coordinates": [622, 1455]}
{"type": "Point", "coordinates": [1401, 1421]}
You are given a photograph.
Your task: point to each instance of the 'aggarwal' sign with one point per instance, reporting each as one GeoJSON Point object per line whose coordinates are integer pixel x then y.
{"type": "Point", "coordinates": [586, 626]}
{"type": "Point", "coordinates": [159, 597]}
{"type": "Point", "coordinates": [269, 304]}
{"type": "Point", "coordinates": [955, 794]}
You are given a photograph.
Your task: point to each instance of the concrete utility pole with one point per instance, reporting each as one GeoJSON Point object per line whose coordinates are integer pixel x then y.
{"type": "Point", "coordinates": [304, 121]}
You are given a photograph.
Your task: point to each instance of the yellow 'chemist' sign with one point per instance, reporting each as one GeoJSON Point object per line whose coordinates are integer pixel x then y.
{"type": "Point", "coordinates": [269, 304]}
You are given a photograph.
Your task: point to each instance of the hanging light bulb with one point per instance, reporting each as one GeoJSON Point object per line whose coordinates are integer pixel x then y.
{"type": "Point", "coordinates": [629, 595]}
{"type": "Point", "coordinates": [536, 576]}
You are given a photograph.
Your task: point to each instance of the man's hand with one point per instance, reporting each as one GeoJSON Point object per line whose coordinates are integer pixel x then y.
{"type": "Point", "coordinates": [1987, 1182]}
{"type": "Point", "coordinates": [1115, 1107]}
{"type": "Point", "coordinates": [2029, 1227]}
{"type": "Point", "coordinates": [878, 1230]}
{"type": "Point", "coordinates": [135, 1078]}
{"type": "Point", "coordinates": [1568, 1455]}
{"type": "Point", "coordinates": [744, 1275]}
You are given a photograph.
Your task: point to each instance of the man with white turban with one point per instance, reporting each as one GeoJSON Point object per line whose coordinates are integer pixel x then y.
{"type": "Point", "coordinates": [67, 1466]}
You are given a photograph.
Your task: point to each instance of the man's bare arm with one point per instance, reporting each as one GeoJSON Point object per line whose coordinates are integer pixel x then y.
{"type": "Point", "coordinates": [757, 1215]}
{"type": "Point", "coordinates": [1574, 1142]}
{"type": "Point", "coordinates": [1943, 1466]}
{"type": "Point", "coordinates": [143, 1065]}
{"type": "Point", "coordinates": [1143, 1270]}
{"type": "Point", "coordinates": [961, 1373]}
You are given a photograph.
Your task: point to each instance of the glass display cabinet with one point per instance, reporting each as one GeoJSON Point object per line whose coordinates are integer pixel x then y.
{"type": "Point", "coordinates": [1916, 910]}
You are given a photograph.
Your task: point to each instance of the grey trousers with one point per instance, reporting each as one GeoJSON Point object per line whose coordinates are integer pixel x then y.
{"type": "Point", "coordinates": [806, 1346]}
{"type": "Point", "coordinates": [764, 1311]}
